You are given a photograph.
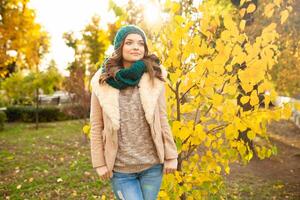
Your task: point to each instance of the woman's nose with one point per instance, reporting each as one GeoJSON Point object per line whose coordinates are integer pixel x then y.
{"type": "Point", "coordinates": [135, 46]}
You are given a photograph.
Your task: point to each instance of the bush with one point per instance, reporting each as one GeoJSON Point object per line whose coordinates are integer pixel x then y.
{"type": "Point", "coordinates": [46, 113]}
{"type": "Point", "coordinates": [74, 111]}
{"type": "Point", "coordinates": [3, 118]}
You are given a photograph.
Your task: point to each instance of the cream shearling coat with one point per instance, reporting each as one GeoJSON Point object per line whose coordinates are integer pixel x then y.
{"type": "Point", "coordinates": [105, 120]}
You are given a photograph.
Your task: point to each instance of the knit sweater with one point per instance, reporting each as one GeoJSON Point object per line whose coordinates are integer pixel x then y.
{"type": "Point", "coordinates": [136, 149]}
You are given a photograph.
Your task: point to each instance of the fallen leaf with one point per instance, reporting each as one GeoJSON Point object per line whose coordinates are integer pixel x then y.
{"type": "Point", "coordinates": [59, 180]}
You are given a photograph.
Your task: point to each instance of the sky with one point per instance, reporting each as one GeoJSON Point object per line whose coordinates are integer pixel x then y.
{"type": "Point", "coordinates": [59, 16]}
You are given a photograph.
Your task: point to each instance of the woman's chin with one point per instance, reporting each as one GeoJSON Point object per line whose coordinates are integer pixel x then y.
{"type": "Point", "coordinates": [135, 59]}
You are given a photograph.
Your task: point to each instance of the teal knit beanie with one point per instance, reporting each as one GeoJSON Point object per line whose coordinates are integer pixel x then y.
{"type": "Point", "coordinates": [124, 31]}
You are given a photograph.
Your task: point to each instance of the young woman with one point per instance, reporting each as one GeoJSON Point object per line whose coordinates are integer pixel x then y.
{"type": "Point", "coordinates": [131, 140]}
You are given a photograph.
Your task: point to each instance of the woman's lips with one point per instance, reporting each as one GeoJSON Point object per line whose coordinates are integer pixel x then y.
{"type": "Point", "coordinates": [136, 54]}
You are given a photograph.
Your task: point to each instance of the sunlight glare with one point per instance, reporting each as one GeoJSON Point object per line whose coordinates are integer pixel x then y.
{"type": "Point", "coordinates": [152, 13]}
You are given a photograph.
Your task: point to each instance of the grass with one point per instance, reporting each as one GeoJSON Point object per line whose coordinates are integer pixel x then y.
{"type": "Point", "coordinates": [50, 163]}
{"type": "Point", "coordinates": [54, 163]}
{"type": "Point", "coordinates": [250, 187]}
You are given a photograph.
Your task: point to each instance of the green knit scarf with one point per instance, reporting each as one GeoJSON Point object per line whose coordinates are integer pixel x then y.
{"type": "Point", "coordinates": [127, 76]}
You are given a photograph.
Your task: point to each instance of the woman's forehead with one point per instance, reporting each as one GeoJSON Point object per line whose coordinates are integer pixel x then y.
{"type": "Point", "coordinates": [134, 36]}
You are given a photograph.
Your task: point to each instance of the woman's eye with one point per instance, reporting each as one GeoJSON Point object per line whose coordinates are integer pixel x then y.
{"type": "Point", "coordinates": [131, 43]}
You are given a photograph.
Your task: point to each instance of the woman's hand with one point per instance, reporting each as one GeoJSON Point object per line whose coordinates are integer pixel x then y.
{"type": "Point", "coordinates": [170, 166]}
{"type": "Point", "coordinates": [104, 173]}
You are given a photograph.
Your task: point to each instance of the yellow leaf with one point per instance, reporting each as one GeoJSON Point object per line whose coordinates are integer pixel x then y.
{"type": "Point", "coordinates": [242, 24]}
{"type": "Point", "coordinates": [290, 8]}
{"type": "Point", "coordinates": [228, 68]}
{"type": "Point", "coordinates": [176, 125]}
{"type": "Point", "coordinates": [247, 87]}
{"type": "Point", "coordinates": [237, 50]}
{"type": "Point", "coordinates": [239, 125]}
{"type": "Point", "coordinates": [278, 2]}
{"type": "Point", "coordinates": [185, 147]}
{"type": "Point", "coordinates": [242, 12]}
{"type": "Point", "coordinates": [179, 19]}
{"type": "Point", "coordinates": [209, 153]}
{"type": "Point", "coordinates": [178, 177]}
{"type": "Point", "coordinates": [269, 10]}
{"type": "Point", "coordinates": [287, 111]}
{"type": "Point", "coordinates": [297, 106]}
{"type": "Point", "coordinates": [184, 133]}
{"type": "Point", "coordinates": [202, 135]}
{"type": "Point", "coordinates": [230, 89]}
{"type": "Point", "coordinates": [86, 129]}
{"type": "Point", "coordinates": [254, 98]}
{"type": "Point", "coordinates": [200, 132]}
{"type": "Point", "coordinates": [230, 132]}
{"type": "Point", "coordinates": [241, 148]}
{"type": "Point", "coordinates": [175, 7]}
{"type": "Point", "coordinates": [251, 8]}
{"type": "Point", "coordinates": [195, 141]}
{"type": "Point", "coordinates": [245, 99]}
{"type": "Point", "coordinates": [249, 156]}
{"type": "Point", "coordinates": [227, 169]}
{"type": "Point", "coordinates": [239, 58]}
{"type": "Point", "coordinates": [283, 16]}
{"type": "Point", "coordinates": [162, 194]}
{"type": "Point", "coordinates": [207, 142]}
{"type": "Point", "coordinates": [242, 2]}
{"type": "Point", "coordinates": [267, 101]}
{"type": "Point", "coordinates": [220, 141]}
{"type": "Point", "coordinates": [251, 135]}
{"type": "Point", "coordinates": [273, 95]}
{"type": "Point", "coordinates": [176, 75]}
{"type": "Point", "coordinates": [229, 23]}
{"type": "Point", "coordinates": [269, 28]}
{"type": "Point", "coordinates": [217, 99]}
{"type": "Point", "coordinates": [59, 180]}
{"type": "Point", "coordinates": [208, 90]}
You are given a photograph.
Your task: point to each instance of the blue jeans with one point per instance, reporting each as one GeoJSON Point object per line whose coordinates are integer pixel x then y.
{"type": "Point", "coordinates": [143, 185]}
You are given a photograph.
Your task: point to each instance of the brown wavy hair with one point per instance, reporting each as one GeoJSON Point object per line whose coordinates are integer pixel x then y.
{"type": "Point", "coordinates": [115, 63]}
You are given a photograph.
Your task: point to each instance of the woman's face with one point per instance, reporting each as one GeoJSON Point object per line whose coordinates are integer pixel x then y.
{"type": "Point", "coordinates": [133, 48]}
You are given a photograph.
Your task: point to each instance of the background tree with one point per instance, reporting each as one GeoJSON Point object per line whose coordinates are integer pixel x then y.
{"type": "Point", "coordinates": [76, 82]}
{"type": "Point", "coordinates": [51, 79]}
{"type": "Point", "coordinates": [23, 42]}
{"type": "Point", "coordinates": [19, 89]}
{"type": "Point", "coordinates": [95, 41]}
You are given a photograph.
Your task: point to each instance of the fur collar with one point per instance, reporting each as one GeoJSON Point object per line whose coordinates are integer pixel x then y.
{"type": "Point", "coordinates": [109, 97]}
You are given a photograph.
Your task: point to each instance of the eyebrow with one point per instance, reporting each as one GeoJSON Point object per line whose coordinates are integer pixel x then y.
{"type": "Point", "coordinates": [132, 40]}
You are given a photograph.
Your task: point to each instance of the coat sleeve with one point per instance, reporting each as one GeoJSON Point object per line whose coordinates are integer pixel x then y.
{"type": "Point", "coordinates": [169, 144]}
{"type": "Point", "coordinates": [96, 122]}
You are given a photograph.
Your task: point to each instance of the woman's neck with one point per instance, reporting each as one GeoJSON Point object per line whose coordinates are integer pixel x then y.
{"type": "Point", "coordinates": [126, 64]}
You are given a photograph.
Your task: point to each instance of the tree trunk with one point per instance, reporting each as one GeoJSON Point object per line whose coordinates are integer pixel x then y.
{"type": "Point", "coordinates": [36, 109]}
